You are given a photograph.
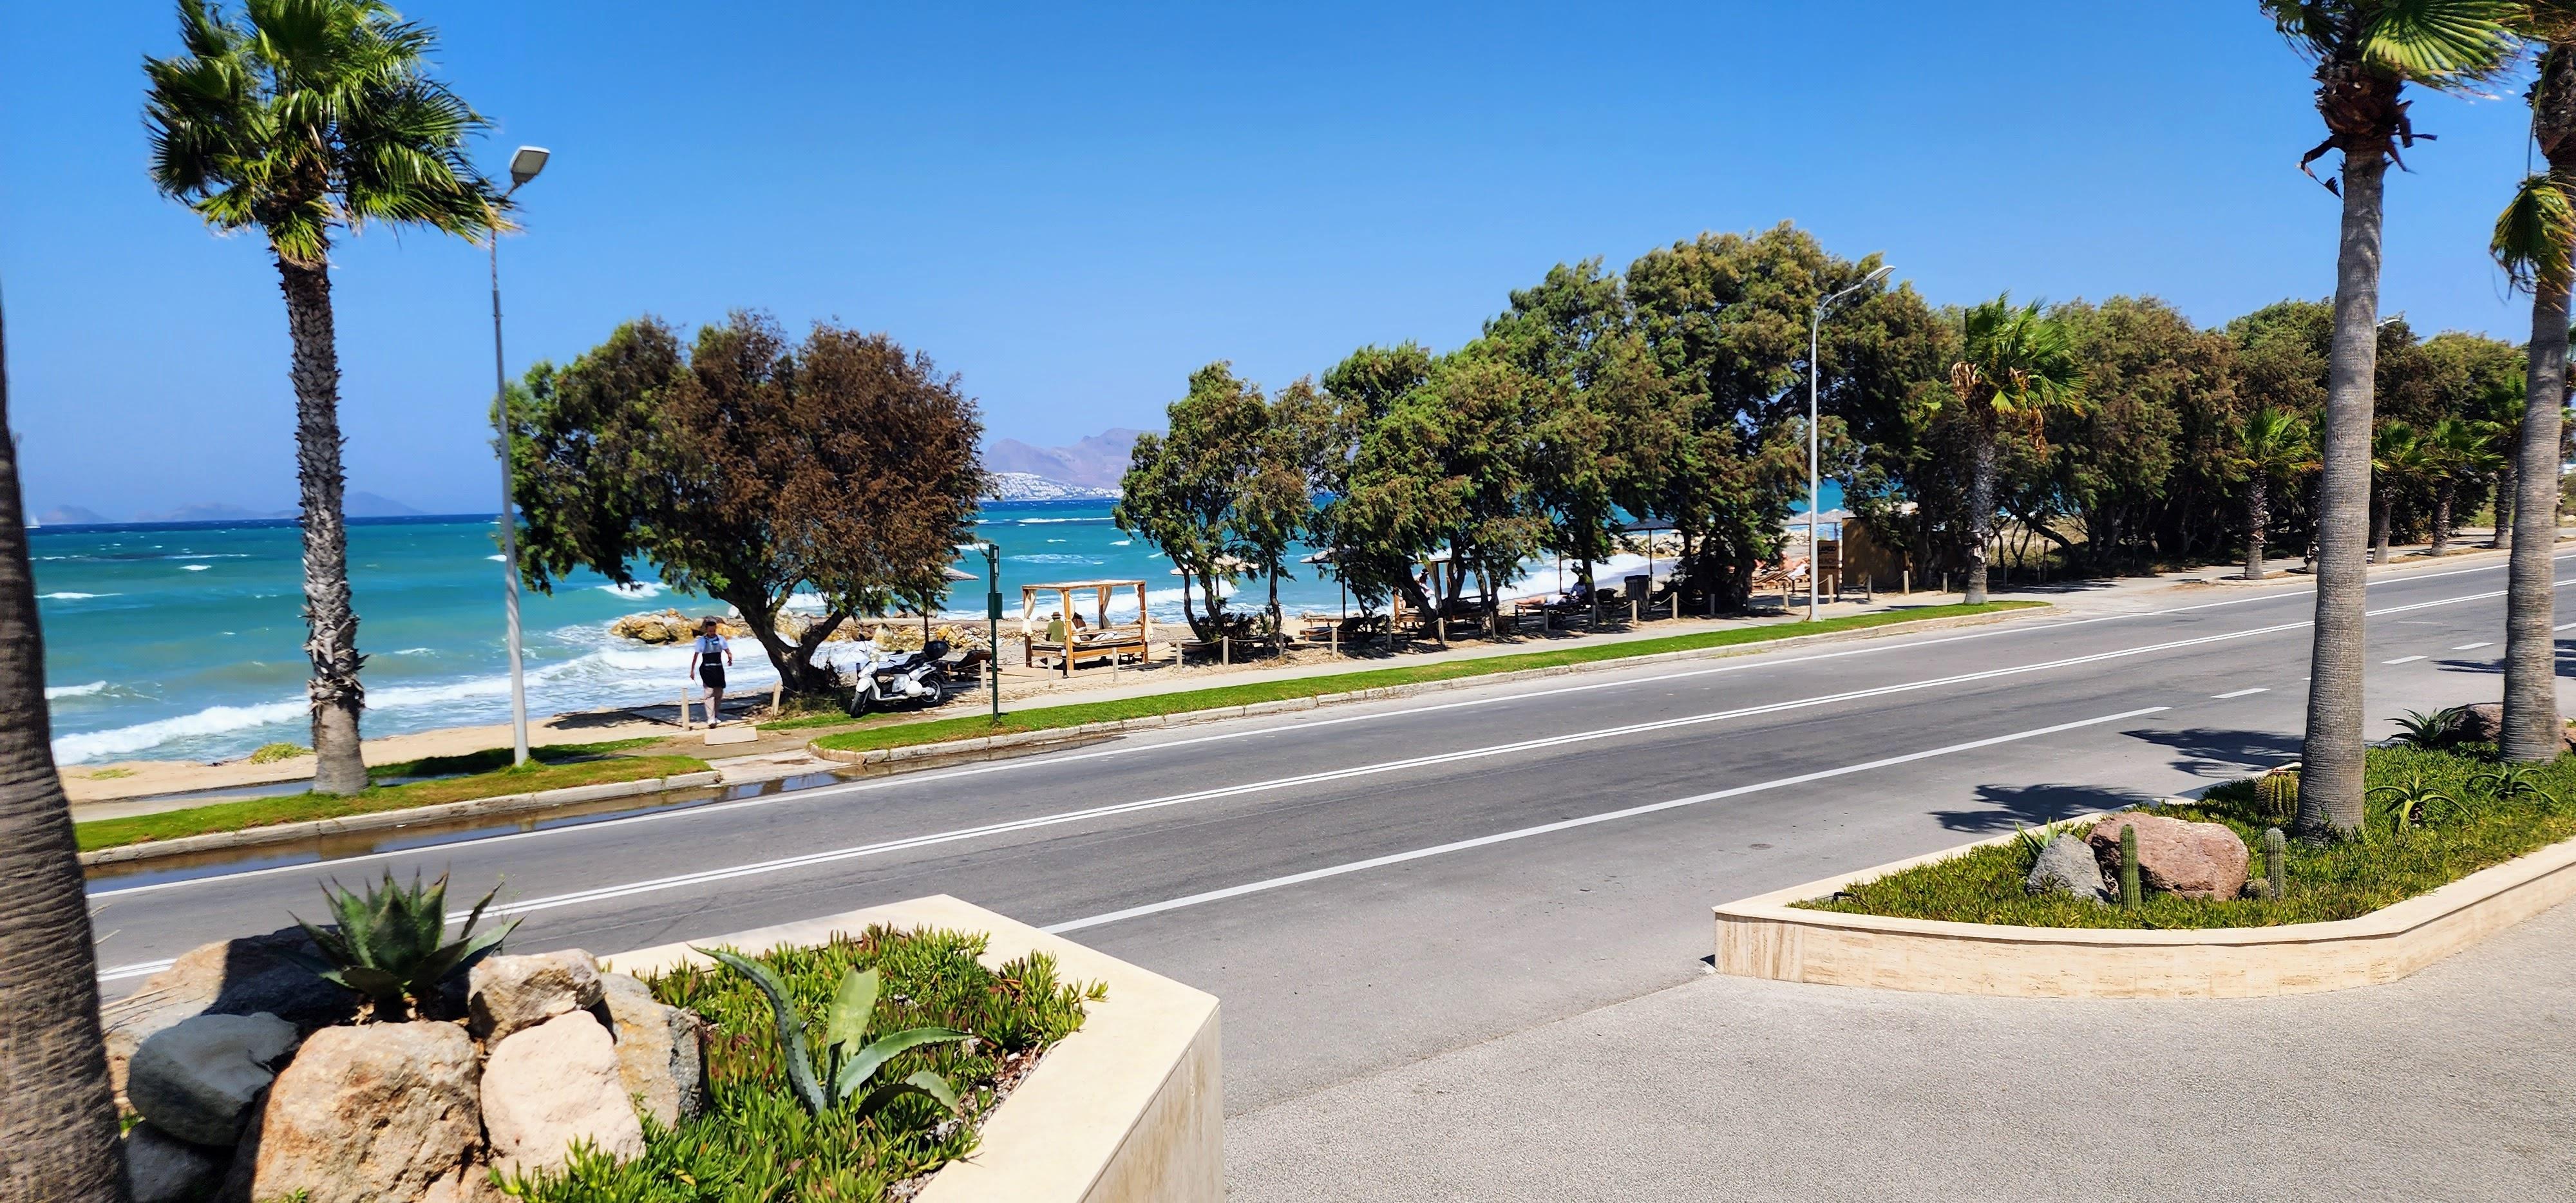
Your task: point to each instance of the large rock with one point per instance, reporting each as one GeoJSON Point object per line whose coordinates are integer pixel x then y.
{"type": "Point", "coordinates": [553, 1084]}
{"type": "Point", "coordinates": [372, 1114]}
{"type": "Point", "coordinates": [197, 1079]}
{"type": "Point", "coordinates": [228, 977]}
{"type": "Point", "coordinates": [659, 1057]}
{"type": "Point", "coordinates": [505, 995]}
{"type": "Point", "coordinates": [2194, 860]}
{"type": "Point", "coordinates": [2066, 866]}
{"type": "Point", "coordinates": [2484, 724]}
{"type": "Point", "coordinates": [161, 1168]}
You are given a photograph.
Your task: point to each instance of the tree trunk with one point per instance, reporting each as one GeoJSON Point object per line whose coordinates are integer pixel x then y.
{"type": "Point", "coordinates": [58, 1127]}
{"type": "Point", "coordinates": [2442, 498]}
{"type": "Point", "coordinates": [2383, 514]}
{"type": "Point", "coordinates": [2258, 514]}
{"type": "Point", "coordinates": [2532, 723]}
{"type": "Point", "coordinates": [330, 617]}
{"type": "Point", "coordinates": [2506, 484]}
{"type": "Point", "coordinates": [1981, 511]}
{"type": "Point", "coordinates": [2330, 778]}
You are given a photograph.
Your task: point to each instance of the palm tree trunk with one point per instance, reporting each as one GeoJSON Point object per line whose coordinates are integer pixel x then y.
{"type": "Point", "coordinates": [2330, 773]}
{"type": "Point", "coordinates": [2532, 724]}
{"type": "Point", "coordinates": [2504, 507]}
{"type": "Point", "coordinates": [2383, 512]}
{"type": "Point", "coordinates": [2442, 520]}
{"type": "Point", "coordinates": [1981, 511]}
{"type": "Point", "coordinates": [58, 1128]}
{"type": "Point", "coordinates": [330, 617]}
{"type": "Point", "coordinates": [2258, 513]}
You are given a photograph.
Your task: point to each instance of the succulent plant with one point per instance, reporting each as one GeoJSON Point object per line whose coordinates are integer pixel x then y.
{"type": "Point", "coordinates": [850, 1059]}
{"type": "Point", "coordinates": [2276, 854]}
{"type": "Point", "coordinates": [2278, 791]}
{"type": "Point", "coordinates": [391, 943]}
{"type": "Point", "coordinates": [2411, 803]}
{"type": "Point", "coordinates": [2130, 892]}
{"type": "Point", "coordinates": [2440, 729]}
{"type": "Point", "coordinates": [2505, 782]}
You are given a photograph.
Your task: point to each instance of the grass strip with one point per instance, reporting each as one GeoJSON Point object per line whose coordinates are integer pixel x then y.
{"type": "Point", "coordinates": [902, 734]}
{"type": "Point", "coordinates": [2341, 880]}
{"type": "Point", "coordinates": [499, 758]}
{"type": "Point", "coordinates": [297, 808]}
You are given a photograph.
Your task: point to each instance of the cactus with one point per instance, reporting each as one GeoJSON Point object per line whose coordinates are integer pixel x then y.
{"type": "Point", "coordinates": [2276, 851]}
{"type": "Point", "coordinates": [2278, 791]}
{"type": "Point", "coordinates": [2129, 891]}
{"type": "Point", "coordinates": [850, 1059]}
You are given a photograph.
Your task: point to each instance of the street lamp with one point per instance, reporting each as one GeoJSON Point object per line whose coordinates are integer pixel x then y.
{"type": "Point", "coordinates": [1815, 372]}
{"type": "Point", "coordinates": [992, 617]}
{"type": "Point", "coordinates": [524, 167]}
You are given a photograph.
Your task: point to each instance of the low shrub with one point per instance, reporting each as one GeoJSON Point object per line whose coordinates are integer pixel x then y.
{"type": "Point", "coordinates": [758, 1140]}
{"type": "Point", "coordinates": [2438, 816]}
{"type": "Point", "coordinates": [272, 753]}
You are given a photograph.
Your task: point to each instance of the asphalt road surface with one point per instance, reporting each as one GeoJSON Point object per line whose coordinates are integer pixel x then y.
{"type": "Point", "coordinates": [1365, 886]}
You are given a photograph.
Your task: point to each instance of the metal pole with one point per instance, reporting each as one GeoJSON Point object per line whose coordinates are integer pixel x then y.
{"type": "Point", "coordinates": [509, 526]}
{"type": "Point", "coordinates": [993, 624]}
{"type": "Point", "coordinates": [1815, 491]}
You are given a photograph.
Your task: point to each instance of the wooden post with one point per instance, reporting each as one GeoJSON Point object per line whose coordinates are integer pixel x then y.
{"type": "Point", "coordinates": [1225, 649]}
{"type": "Point", "coordinates": [1908, 580]}
{"type": "Point", "coordinates": [777, 698]}
{"type": "Point", "coordinates": [1632, 611]}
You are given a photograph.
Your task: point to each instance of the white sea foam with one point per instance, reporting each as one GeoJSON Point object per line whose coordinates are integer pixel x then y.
{"type": "Point", "coordinates": [69, 596]}
{"type": "Point", "coordinates": [415, 651]}
{"type": "Point", "coordinates": [1053, 521]}
{"type": "Point", "coordinates": [495, 558]}
{"type": "Point", "coordinates": [1053, 557]}
{"type": "Point", "coordinates": [1120, 542]}
{"type": "Point", "coordinates": [638, 590]}
{"type": "Point", "coordinates": [194, 567]}
{"type": "Point", "coordinates": [74, 691]}
{"type": "Point", "coordinates": [211, 721]}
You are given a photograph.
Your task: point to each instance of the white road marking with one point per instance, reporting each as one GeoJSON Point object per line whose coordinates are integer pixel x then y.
{"type": "Point", "coordinates": [2471, 647]}
{"type": "Point", "coordinates": [2563, 626]}
{"type": "Point", "coordinates": [137, 969]}
{"type": "Point", "coordinates": [1501, 837]}
{"type": "Point", "coordinates": [2402, 660]}
{"type": "Point", "coordinates": [2221, 697]}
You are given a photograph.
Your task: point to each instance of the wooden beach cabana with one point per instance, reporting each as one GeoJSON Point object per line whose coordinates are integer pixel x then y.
{"type": "Point", "coordinates": [1069, 644]}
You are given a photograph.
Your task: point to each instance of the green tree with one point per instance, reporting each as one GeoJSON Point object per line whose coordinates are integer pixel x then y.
{"type": "Point", "coordinates": [301, 118]}
{"type": "Point", "coordinates": [59, 1128]}
{"type": "Point", "coordinates": [2366, 52]}
{"type": "Point", "coordinates": [2461, 452]}
{"type": "Point", "coordinates": [2272, 448]}
{"type": "Point", "coordinates": [2015, 364]}
{"type": "Point", "coordinates": [1446, 470]}
{"type": "Point", "coordinates": [750, 469]}
{"type": "Point", "coordinates": [1277, 504]}
{"type": "Point", "coordinates": [2536, 240]}
{"type": "Point", "coordinates": [1358, 393]}
{"type": "Point", "coordinates": [1182, 487]}
{"type": "Point", "coordinates": [2399, 461]}
{"type": "Point", "coordinates": [2143, 462]}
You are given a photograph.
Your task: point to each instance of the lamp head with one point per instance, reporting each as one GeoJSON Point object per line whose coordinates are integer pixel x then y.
{"type": "Point", "coordinates": [525, 165]}
{"type": "Point", "coordinates": [1880, 274]}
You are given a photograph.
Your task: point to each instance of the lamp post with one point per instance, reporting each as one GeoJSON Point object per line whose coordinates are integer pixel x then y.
{"type": "Point", "coordinates": [1815, 374]}
{"type": "Point", "coordinates": [992, 618]}
{"type": "Point", "coordinates": [524, 167]}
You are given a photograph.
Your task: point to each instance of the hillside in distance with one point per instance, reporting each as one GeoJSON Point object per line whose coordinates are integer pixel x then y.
{"type": "Point", "coordinates": [1092, 462]}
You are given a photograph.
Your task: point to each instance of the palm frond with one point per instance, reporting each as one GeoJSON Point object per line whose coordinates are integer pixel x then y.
{"type": "Point", "coordinates": [2536, 234]}
{"type": "Point", "coordinates": [2440, 43]}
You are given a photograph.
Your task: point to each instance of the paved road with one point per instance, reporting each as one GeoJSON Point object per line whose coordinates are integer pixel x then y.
{"type": "Point", "coordinates": [1366, 886]}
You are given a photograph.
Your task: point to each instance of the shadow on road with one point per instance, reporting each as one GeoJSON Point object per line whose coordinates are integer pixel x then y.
{"type": "Point", "coordinates": [2011, 806]}
{"type": "Point", "coordinates": [2208, 750]}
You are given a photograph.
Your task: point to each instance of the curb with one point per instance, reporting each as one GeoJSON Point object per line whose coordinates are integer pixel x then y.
{"type": "Point", "coordinates": [1056, 735]}
{"type": "Point", "coordinates": [288, 833]}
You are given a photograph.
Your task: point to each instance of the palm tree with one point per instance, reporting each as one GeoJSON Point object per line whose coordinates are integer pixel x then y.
{"type": "Point", "coordinates": [2535, 239]}
{"type": "Point", "coordinates": [2460, 449]}
{"type": "Point", "coordinates": [59, 1127]}
{"type": "Point", "coordinates": [2398, 458]}
{"type": "Point", "coordinates": [2272, 445]}
{"type": "Point", "coordinates": [2015, 363]}
{"type": "Point", "coordinates": [301, 118]}
{"type": "Point", "coordinates": [2504, 443]}
{"type": "Point", "coordinates": [2366, 52]}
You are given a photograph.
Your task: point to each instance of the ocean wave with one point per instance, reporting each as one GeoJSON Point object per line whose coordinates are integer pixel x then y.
{"type": "Point", "coordinates": [1121, 542]}
{"type": "Point", "coordinates": [1055, 521]}
{"type": "Point", "coordinates": [69, 596]}
{"type": "Point", "coordinates": [211, 721]}
{"type": "Point", "coordinates": [1053, 557]}
{"type": "Point", "coordinates": [415, 651]}
{"type": "Point", "coordinates": [194, 567]}
{"type": "Point", "coordinates": [74, 691]}
{"type": "Point", "coordinates": [495, 558]}
{"type": "Point", "coordinates": [639, 589]}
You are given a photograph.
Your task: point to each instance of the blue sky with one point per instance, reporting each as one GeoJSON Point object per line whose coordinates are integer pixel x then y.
{"type": "Point", "coordinates": [1073, 206]}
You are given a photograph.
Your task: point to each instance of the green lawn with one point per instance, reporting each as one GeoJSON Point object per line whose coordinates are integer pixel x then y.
{"type": "Point", "coordinates": [901, 734]}
{"type": "Point", "coordinates": [296, 808]}
{"type": "Point", "coordinates": [2337, 881]}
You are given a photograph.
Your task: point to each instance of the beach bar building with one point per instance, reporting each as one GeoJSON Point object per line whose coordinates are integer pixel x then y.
{"type": "Point", "coordinates": [1065, 641]}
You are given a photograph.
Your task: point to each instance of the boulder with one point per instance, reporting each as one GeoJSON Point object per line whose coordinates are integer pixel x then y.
{"type": "Point", "coordinates": [659, 1058]}
{"type": "Point", "coordinates": [2484, 724]}
{"type": "Point", "coordinates": [197, 1079]}
{"type": "Point", "coordinates": [508, 994]}
{"type": "Point", "coordinates": [161, 1168]}
{"type": "Point", "coordinates": [2194, 860]}
{"type": "Point", "coordinates": [552, 1084]}
{"type": "Point", "coordinates": [364, 1114]}
{"type": "Point", "coordinates": [471, 1183]}
{"type": "Point", "coordinates": [2066, 866]}
{"type": "Point", "coordinates": [228, 977]}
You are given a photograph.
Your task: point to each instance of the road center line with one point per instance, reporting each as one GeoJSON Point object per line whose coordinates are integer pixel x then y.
{"type": "Point", "coordinates": [2471, 647]}
{"type": "Point", "coordinates": [2402, 660]}
{"type": "Point", "coordinates": [1501, 837]}
{"type": "Point", "coordinates": [2241, 693]}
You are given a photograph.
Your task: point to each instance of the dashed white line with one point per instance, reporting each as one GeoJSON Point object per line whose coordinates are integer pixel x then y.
{"type": "Point", "coordinates": [1501, 837]}
{"type": "Point", "coordinates": [2471, 647]}
{"type": "Point", "coordinates": [2221, 697]}
{"type": "Point", "coordinates": [2402, 660]}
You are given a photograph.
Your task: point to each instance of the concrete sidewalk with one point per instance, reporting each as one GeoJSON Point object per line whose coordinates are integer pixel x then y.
{"type": "Point", "coordinates": [2449, 1085]}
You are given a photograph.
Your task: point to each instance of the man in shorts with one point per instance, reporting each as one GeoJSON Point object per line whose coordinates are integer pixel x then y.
{"type": "Point", "coordinates": [709, 656]}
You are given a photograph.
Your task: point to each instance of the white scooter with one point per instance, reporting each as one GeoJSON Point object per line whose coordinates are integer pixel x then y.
{"type": "Point", "coordinates": [884, 677]}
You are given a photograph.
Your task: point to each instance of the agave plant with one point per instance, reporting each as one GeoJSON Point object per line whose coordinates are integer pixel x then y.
{"type": "Point", "coordinates": [2439, 729]}
{"type": "Point", "coordinates": [2413, 803]}
{"type": "Point", "coordinates": [2508, 781]}
{"type": "Point", "coordinates": [850, 1059]}
{"type": "Point", "coordinates": [391, 944]}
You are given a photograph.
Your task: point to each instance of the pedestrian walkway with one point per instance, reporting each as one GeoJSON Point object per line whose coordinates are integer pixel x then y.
{"type": "Point", "coordinates": [2448, 1085]}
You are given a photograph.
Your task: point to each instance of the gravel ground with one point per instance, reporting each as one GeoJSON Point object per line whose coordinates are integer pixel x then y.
{"type": "Point", "coordinates": [2450, 1085]}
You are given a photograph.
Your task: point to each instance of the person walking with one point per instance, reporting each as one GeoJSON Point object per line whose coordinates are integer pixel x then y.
{"type": "Point", "coordinates": [709, 656]}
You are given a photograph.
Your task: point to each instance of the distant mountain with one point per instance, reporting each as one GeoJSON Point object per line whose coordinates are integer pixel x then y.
{"type": "Point", "coordinates": [209, 511]}
{"type": "Point", "coordinates": [370, 505]}
{"type": "Point", "coordinates": [1094, 461]}
{"type": "Point", "coordinates": [69, 515]}
{"type": "Point", "coordinates": [1027, 486]}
